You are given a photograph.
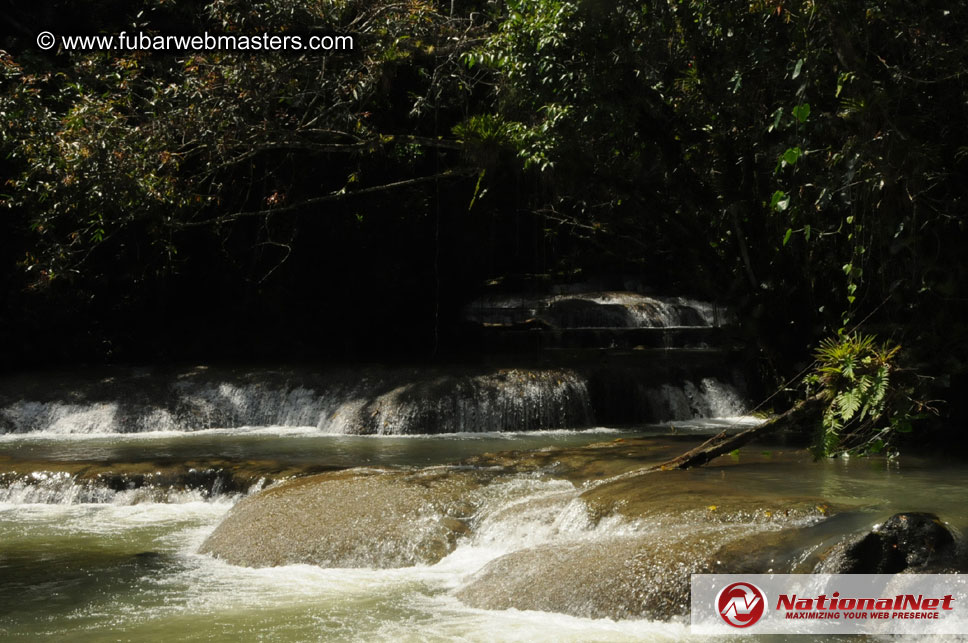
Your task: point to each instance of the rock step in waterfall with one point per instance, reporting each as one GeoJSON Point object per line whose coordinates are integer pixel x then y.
{"type": "Point", "coordinates": [596, 320]}
{"type": "Point", "coordinates": [690, 376]}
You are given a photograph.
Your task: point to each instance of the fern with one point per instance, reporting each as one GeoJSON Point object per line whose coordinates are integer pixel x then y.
{"type": "Point", "coordinates": [879, 384]}
{"type": "Point", "coordinates": [847, 403]}
{"type": "Point", "coordinates": [854, 373]}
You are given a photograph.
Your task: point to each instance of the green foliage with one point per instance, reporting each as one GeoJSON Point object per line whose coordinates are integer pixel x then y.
{"type": "Point", "coordinates": [827, 142]}
{"type": "Point", "coordinates": [866, 406]}
{"type": "Point", "coordinates": [800, 159]}
{"type": "Point", "coordinates": [118, 158]}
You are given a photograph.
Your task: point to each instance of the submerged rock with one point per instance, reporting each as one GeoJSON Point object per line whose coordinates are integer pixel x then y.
{"type": "Point", "coordinates": [355, 518]}
{"type": "Point", "coordinates": [165, 479]}
{"type": "Point", "coordinates": [632, 576]}
{"type": "Point", "coordinates": [613, 578]}
{"type": "Point", "coordinates": [647, 534]}
{"type": "Point", "coordinates": [701, 496]}
{"type": "Point", "coordinates": [904, 542]}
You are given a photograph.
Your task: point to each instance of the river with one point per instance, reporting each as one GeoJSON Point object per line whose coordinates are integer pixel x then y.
{"type": "Point", "coordinates": [84, 561]}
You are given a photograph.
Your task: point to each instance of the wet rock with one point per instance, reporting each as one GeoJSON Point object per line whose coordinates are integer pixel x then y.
{"type": "Point", "coordinates": [636, 576]}
{"type": "Point", "coordinates": [368, 400]}
{"type": "Point", "coordinates": [595, 579]}
{"type": "Point", "coordinates": [584, 313]}
{"type": "Point", "coordinates": [506, 399]}
{"type": "Point", "coordinates": [354, 518]}
{"type": "Point", "coordinates": [624, 457]}
{"type": "Point", "coordinates": [669, 526]}
{"type": "Point", "coordinates": [700, 496]}
{"type": "Point", "coordinates": [64, 482]}
{"type": "Point", "coordinates": [904, 542]}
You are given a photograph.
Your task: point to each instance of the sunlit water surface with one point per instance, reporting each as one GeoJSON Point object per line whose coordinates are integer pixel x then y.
{"type": "Point", "coordinates": [121, 571]}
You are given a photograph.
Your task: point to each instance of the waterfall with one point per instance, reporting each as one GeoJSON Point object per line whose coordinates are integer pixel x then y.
{"type": "Point", "coordinates": [365, 401]}
{"type": "Point", "coordinates": [673, 369]}
{"type": "Point", "coordinates": [604, 309]}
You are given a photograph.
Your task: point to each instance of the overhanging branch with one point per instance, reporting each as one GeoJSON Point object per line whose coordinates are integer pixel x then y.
{"type": "Point", "coordinates": [332, 196]}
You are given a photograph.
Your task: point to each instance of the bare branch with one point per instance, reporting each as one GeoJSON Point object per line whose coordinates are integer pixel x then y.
{"type": "Point", "coordinates": [332, 196]}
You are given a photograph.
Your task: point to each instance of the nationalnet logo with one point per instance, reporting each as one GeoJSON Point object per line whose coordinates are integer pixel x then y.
{"type": "Point", "coordinates": [741, 604]}
{"type": "Point", "coordinates": [830, 604]}
{"type": "Point", "coordinates": [835, 606]}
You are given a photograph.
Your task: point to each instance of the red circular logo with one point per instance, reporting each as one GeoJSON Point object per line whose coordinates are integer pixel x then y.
{"type": "Point", "coordinates": [741, 604]}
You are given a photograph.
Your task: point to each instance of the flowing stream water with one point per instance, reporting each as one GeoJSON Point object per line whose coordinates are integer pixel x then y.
{"type": "Point", "coordinates": [470, 503]}
{"type": "Point", "coordinates": [89, 558]}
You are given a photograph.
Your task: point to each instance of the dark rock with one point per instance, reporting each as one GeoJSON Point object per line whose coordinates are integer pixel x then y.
{"type": "Point", "coordinates": [904, 542]}
{"type": "Point", "coordinates": [582, 313]}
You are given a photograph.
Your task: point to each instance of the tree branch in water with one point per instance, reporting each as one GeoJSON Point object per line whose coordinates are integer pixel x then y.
{"type": "Point", "coordinates": [804, 416]}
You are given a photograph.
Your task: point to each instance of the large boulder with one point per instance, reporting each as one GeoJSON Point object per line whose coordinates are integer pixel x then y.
{"type": "Point", "coordinates": [633, 576]}
{"type": "Point", "coordinates": [666, 527]}
{"type": "Point", "coordinates": [904, 542]}
{"type": "Point", "coordinates": [615, 578]}
{"type": "Point", "coordinates": [356, 518]}
{"type": "Point", "coordinates": [583, 313]}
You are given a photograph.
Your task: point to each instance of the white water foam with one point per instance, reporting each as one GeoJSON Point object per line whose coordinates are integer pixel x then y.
{"type": "Point", "coordinates": [511, 401]}
{"type": "Point", "coordinates": [506, 399]}
{"type": "Point", "coordinates": [61, 488]}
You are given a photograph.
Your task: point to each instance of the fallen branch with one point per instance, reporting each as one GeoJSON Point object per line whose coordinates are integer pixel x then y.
{"type": "Point", "coordinates": [805, 415]}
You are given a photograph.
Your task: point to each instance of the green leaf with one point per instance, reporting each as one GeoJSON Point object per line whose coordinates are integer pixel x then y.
{"type": "Point", "coordinates": [847, 368]}
{"type": "Point", "coordinates": [902, 426]}
{"type": "Point", "coordinates": [847, 403]}
{"type": "Point", "coordinates": [477, 190]}
{"type": "Point", "coordinates": [792, 155]}
{"type": "Point", "coordinates": [802, 112]}
{"type": "Point", "coordinates": [777, 115]}
{"type": "Point", "coordinates": [737, 81]}
{"type": "Point", "coordinates": [807, 230]}
{"type": "Point", "coordinates": [796, 70]}
{"type": "Point", "coordinates": [780, 201]}
{"type": "Point", "coordinates": [786, 237]}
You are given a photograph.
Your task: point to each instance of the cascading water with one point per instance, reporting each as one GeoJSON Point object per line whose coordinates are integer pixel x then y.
{"type": "Point", "coordinates": [391, 402]}
{"type": "Point", "coordinates": [125, 488]}
{"type": "Point", "coordinates": [672, 384]}
{"type": "Point", "coordinates": [538, 536]}
{"type": "Point", "coordinates": [598, 309]}
{"type": "Point", "coordinates": [125, 475]}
